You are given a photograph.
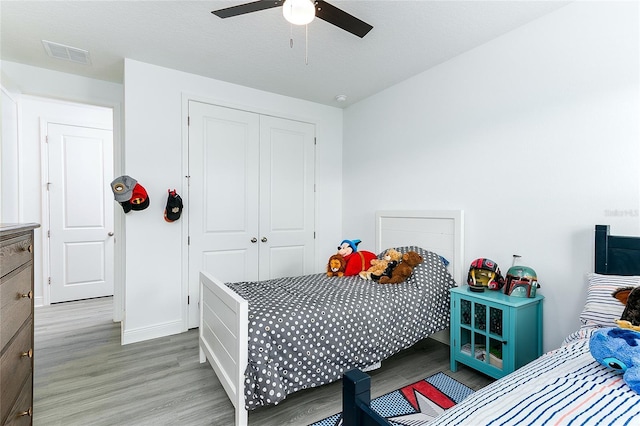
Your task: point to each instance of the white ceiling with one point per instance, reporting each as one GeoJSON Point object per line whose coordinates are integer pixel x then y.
{"type": "Point", "coordinates": [252, 50]}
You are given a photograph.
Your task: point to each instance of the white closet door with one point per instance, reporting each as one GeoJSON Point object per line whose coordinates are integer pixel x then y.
{"type": "Point", "coordinates": [287, 202]}
{"type": "Point", "coordinates": [251, 197]}
{"type": "Point", "coordinates": [223, 193]}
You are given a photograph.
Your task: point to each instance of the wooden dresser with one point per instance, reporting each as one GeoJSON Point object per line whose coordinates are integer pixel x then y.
{"type": "Point", "coordinates": [16, 323]}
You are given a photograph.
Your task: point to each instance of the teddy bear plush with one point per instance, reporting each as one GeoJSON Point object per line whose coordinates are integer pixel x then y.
{"type": "Point", "coordinates": [357, 261]}
{"type": "Point", "coordinates": [384, 266]}
{"type": "Point", "coordinates": [400, 273]}
{"type": "Point", "coordinates": [336, 266]}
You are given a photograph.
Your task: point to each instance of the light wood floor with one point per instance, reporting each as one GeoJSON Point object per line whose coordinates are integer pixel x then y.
{"type": "Point", "coordinates": [83, 376]}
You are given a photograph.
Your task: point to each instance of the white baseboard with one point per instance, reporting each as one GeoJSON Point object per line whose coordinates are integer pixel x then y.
{"type": "Point", "coordinates": [151, 332]}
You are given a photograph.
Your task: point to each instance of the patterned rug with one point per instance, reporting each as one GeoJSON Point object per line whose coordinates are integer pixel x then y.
{"type": "Point", "coordinates": [415, 404]}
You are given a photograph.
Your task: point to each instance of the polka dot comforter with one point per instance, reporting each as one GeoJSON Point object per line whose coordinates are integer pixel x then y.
{"type": "Point", "coordinates": [307, 331]}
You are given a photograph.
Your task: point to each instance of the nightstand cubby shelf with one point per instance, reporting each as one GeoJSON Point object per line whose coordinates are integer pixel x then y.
{"type": "Point", "coordinates": [494, 333]}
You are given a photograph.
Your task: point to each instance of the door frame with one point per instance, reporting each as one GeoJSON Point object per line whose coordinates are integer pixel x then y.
{"type": "Point", "coordinates": [191, 96]}
{"type": "Point", "coordinates": [119, 230]}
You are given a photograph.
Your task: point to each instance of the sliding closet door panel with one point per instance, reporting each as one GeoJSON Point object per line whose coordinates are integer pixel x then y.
{"type": "Point", "coordinates": [223, 194]}
{"type": "Point", "coordinates": [287, 178]}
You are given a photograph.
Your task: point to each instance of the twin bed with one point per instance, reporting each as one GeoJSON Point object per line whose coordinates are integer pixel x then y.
{"type": "Point", "coordinates": [565, 386]}
{"type": "Point", "coordinates": [268, 339]}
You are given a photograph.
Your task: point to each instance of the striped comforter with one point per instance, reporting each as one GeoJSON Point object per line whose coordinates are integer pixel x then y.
{"type": "Point", "coordinates": [563, 387]}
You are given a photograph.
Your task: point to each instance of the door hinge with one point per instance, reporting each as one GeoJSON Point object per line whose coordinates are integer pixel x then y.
{"type": "Point", "coordinates": [188, 300]}
{"type": "Point", "coordinates": [314, 235]}
{"type": "Point", "coordinates": [49, 236]}
{"type": "Point", "coordinates": [46, 139]}
{"type": "Point", "coordinates": [49, 280]}
{"type": "Point", "coordinates": [189, 240]}
{"type": "Point", "coordinates": [315, 141]}
{"type": "Point", "coordinates": [188, 121]}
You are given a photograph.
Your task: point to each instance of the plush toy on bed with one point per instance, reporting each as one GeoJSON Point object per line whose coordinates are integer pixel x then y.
{"type": "Point", "coordinates": [384, 266]}
{"type": "Point", "coordinates": [619, 347]}
{"type": "Point", "coordinates": [336, 266]}
{"type": "Point", "coordinates": [630, 298]}
{"type": "Point", "coordinates": [400, 273]}
{"type": "Point", "coordinates": [357, 261]}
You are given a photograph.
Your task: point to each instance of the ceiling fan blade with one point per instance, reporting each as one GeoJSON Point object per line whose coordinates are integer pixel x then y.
{"type": "Point", "coordinates": [241, 9]}
{"type": "Point", "coordinates": [341, 19]}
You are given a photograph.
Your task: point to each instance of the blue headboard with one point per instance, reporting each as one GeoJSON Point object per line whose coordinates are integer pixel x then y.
{"type": "Point", "coordinates": [616, 255]}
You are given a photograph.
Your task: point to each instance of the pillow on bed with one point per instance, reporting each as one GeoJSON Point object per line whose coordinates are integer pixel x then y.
{"type": "Point", "coordinates": [601, 309]}
{"type": "Point", "coordinates": [417, 249]}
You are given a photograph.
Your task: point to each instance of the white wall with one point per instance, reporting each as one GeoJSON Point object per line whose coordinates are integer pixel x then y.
{"type": "Point", "coordinates": [9, 148]}
{"type": "Point", "coordinates": [155, 122]}
{"type": "Point", "coordinates": [535, 135]}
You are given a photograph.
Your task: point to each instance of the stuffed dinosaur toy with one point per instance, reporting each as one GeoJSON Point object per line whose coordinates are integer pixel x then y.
{"type": "Point", "coordinates": [619, 347]}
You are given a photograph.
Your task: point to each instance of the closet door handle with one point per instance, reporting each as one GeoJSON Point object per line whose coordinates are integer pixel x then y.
{"type": "Point", "coordinates": [264, 239]}
{"type": "Point", "coordinates": [254, 240]}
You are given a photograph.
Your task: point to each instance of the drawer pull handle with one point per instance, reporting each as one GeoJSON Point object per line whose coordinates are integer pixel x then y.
{"type": "Point", "coordinates": [28, 354]}
{"type": "Point", "coordinates": [30, 248]}
{"type": "Point", "coordinates": [29, 413]}
{"type": "Point", "coordinates": [28, 295]}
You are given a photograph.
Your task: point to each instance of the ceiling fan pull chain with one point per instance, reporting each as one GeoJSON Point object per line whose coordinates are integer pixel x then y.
{"type": "Point", "coordinates": [291, 36]}
{"type": "Point", "coordinates": [306, 44]}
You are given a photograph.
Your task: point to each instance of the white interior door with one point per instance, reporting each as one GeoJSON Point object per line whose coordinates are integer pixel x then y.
{"type": "Point", "coordinates": [287, 179]}
{"type": "Point", "coordinates": [223, 196]}
{"type": "Point", "coordinates": [80, 164]}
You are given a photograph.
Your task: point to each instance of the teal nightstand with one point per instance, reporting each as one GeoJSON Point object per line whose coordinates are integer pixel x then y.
{"type": "Point", "coordinates": [494, 333]}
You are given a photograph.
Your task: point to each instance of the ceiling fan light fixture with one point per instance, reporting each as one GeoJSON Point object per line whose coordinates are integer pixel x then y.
{"type": "Point", "coordinates": [299, 12]}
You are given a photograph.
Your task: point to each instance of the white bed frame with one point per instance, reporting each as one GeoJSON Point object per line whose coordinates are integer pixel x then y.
{"type": "Point", "coordinates": [224, 323]}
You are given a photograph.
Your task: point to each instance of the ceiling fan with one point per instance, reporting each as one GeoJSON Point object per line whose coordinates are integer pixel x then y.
{"type": "Point", "coordinates": [308, 9]}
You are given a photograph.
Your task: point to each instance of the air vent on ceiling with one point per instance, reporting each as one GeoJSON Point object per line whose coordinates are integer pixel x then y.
{"type": "Point", "coordinates": [67, 53]}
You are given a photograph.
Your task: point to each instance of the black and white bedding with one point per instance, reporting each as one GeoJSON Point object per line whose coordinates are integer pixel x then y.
{"type": "Point", "coordinates": [307, 331]}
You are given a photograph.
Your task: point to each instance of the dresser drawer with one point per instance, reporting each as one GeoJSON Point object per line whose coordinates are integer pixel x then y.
{"type": "Point", "coordinates": [18, 360]}
{"type": "Point", "coordinates": [16, 299]}
{"type": "Point", "coordinates": [15, 252]}
{"type": "Point", "coordinates": [21, 414]}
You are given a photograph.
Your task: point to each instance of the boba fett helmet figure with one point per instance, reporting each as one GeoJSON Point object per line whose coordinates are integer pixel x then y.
{"type": "Point", "coordinates": [521, 281]}
{"type": "Point", "coordinates": [484, 273]}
